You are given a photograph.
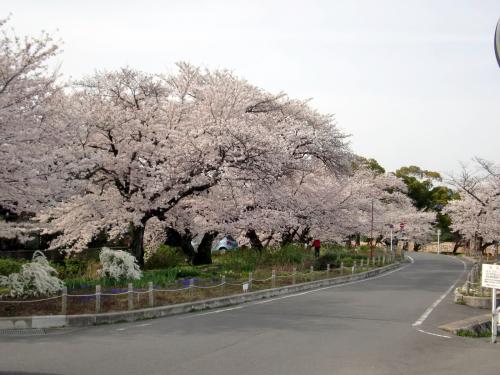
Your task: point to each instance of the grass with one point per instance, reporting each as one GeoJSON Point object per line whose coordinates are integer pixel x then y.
{"type": "Point", "coordinates": [473, 333]}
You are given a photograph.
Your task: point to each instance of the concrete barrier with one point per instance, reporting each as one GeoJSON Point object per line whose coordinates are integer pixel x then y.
{"type": "Point", "coordinates": [52, 321]}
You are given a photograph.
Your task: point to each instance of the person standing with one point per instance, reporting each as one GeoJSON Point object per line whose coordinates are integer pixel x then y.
{"type": "Point", "coordinates": [317, 245]}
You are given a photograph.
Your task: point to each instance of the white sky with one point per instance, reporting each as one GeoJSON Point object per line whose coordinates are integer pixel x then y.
{"type": "Point", "coordinates": [414, 82]}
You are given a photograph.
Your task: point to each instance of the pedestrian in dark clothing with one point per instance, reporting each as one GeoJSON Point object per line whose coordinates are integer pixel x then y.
{"type": "Point", "coordinates": [317, 246]}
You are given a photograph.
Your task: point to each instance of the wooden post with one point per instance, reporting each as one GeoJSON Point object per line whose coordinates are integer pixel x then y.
{"type": "Point", "coordinates": [64, 300]}
{"type": "Point", "coordinates": [151, 294]}
{"type": "Point", "coordinates": [130, 296]}
{"type": "Point", "coordinates": [191, 287]}
{"type": "Point", "coordinates": [97, 299]}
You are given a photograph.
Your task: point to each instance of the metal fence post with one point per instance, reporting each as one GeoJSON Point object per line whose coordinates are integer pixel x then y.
{"type": "Point", "coordinates": [250, 278]}
{"type": "Point", "coordinates": [151, 294]}
{"type": "Point", "coordinates": [273, 279]}
{"type": "Point", "coordinates": [294, 275]}
{"type": "Point", "coordinates": [130, 296]}
{"type": "Point", "coordinates": [494, 316]}
{"type": "Point", "coordinates": [97, 299]}
{"type": "Point", "coordinates": [64, 300]}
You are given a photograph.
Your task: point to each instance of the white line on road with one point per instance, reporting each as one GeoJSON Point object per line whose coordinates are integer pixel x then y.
{"type": "Point", "coordinates": [211, 312]}
{"type": "Point", "coordinates": [427, 312]}
{"type": "Point", "coordinates": [433, 334]}
{"type": "Point", "coordinates": [135, 326]}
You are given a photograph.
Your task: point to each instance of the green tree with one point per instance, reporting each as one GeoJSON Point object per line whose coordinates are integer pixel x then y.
{"type": "Point", "coordinates": [427, 195]}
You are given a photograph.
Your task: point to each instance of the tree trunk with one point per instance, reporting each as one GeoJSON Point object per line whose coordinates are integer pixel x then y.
{"type": "Point", "coordinates": [254, 239]}
{"type": "Point", "coordinates": [304, 236]}
{"type": "Point", "coordinates": [268, 239]}
{"type": "Point", "coordinates": [456, 246]}
{"type": "Point", "coordinates": [358, 239]}
{"type": "Point", "coordinates": [182, 240]}
{"type": "Point", "coordinates": [288, 236]}
{"type": "Point", "coordinates": [204, 253]}
{"type": "Point", "coordinates": [137, 243]}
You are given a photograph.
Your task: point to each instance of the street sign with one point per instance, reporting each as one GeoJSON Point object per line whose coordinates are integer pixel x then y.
{"type": "Point", "coordinates": [490, 276]}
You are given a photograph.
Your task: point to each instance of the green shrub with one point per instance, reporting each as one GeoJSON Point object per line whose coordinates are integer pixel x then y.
{"type": "Point", "coordinates": [8, 266]}
{"type": "Point", "coordinates": [238, 260]}
{"type": "Point", "coordinates": [323, 260]}
{"type": "Point", "coordinates": [165, 257]}
{"type": "Point", "coordinates": [188, 271]}
{"type": "Point", "coordinates": [285, 255]}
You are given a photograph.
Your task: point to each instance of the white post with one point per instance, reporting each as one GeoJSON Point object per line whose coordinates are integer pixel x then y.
{"type": "Point", "coordinates": [273, 279]}
{"type": "Point", "coordinates": [130, 296]}
{"type": "Point", "coordinates": [151, 294]}
{"type": "Point", "coordinates": [97, 299]}
{"type": "Point", "coordinates": [494, 316]}
{"type": "Point", "coordinates": [312, 273]}
{"type": "Point", "coordinates": [223, 282]}
{"type": "Point", "coordinates": [250, 278]}
{"type": "Point", "coordinates": [328, 270]}
{"type": "Point", "coordinates": [439, 235]}
{"type": "Point", "coordinates": [341, 268]}
{"type": "Point", "coordinates": [294, 275]}
{"type": "Point", "coordinates": [64, 300]}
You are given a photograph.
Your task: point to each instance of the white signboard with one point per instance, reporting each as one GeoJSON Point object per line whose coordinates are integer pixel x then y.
{"type": "Point", "coordinates": [490, 277]}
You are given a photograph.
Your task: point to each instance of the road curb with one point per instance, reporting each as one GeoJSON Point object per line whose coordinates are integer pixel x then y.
{"type": "Point", "coordinates": [473, 324]}
{"type": "Point", "coordinates": [55, 321]}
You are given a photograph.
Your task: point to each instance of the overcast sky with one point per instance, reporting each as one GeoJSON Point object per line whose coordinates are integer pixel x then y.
{"type": "Point", "coordinates": [414, 82]}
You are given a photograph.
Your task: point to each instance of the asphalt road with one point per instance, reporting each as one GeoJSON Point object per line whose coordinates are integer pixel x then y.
{"type": "Point", "coordinates": [361, 328]}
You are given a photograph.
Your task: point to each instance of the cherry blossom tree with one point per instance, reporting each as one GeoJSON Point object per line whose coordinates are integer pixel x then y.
{"type": "Point", "coordinates": [30, 99]}
{"type": "Point", "coordinates": [147, 143]}
{"type": "Point", "coordinates": [476, 214]}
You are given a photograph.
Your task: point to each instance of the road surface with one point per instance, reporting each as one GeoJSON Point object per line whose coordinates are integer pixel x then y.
{"type": "Point", "coordinates": [385, 325]}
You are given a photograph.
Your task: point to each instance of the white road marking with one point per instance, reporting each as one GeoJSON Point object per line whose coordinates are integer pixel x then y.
{"type": "Point", "coordinates": [211, 312]}
{"type": "Point", "coordinates": [298, 294]}
{"type": "Point", "coordinates": [433, 334]}
{"type": "Point", "coordinates": [135, 326]}
{"type": "Point", "coordinates": [427, 312]}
